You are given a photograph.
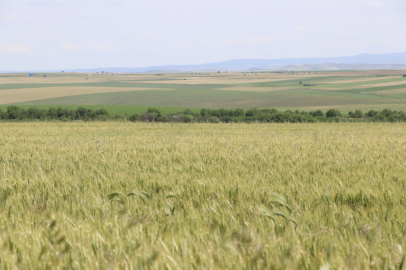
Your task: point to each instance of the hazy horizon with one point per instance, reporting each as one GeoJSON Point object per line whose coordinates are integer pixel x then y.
{"type": "Point", "coordinates": [62, 34]}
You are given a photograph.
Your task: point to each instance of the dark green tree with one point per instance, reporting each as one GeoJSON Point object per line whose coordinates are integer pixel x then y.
{"type": "Point", "coordinates": [14, 112]}
{"type": "Point", "coordinates": [157, 112]}
{"type": "Point", "coordinates": [333, 113]}
{"type": "Point", "coordinates": [318, 113]}
{"type": "Point", "coordinates": [371, 113]}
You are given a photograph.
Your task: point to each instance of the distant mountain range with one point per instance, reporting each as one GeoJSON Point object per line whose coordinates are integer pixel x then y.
{"type": "Point", "coordinates": [362, 61]}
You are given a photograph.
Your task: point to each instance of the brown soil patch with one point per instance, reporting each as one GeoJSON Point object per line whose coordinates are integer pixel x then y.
{"type": "Point", "coordinates": [30, 94]}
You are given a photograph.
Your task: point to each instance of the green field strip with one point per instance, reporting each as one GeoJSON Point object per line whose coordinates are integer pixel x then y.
{"type": "Point", "coordinates": [389, 96]}
{"type": "Point", "coordinates": [373, 89]}
{"type": "Point", "coordinates": [354, 84]}
{"type": "Point", "coordinates": [317, 92]}
{"type": "Point", "coordinates": [217, 99]}
{"type": "Point", "coordinates": [296, 82]}
{"type": "Point", "coordinates": [182, 98]}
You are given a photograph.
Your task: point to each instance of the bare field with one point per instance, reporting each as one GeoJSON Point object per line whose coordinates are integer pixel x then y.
{"type": "Point", "coordinates": [45, 80]}
{"type": "Point", "coordinates": [30, 94]}
{"type": "Point", "coordinates": [52, 80]}
{"type": "Point", "coordinates": [385, 84]}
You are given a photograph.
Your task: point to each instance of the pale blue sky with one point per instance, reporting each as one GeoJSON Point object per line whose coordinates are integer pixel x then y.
{"type": "Point", "coordinates": [68, 34]}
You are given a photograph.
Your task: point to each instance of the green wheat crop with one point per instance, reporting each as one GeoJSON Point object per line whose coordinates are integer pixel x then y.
{"type": "Point", "coordinates": [202, 196]}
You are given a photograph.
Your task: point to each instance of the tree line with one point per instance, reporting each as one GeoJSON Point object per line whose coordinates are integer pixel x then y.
{"type": "Point", "coordinates": [15, 113]}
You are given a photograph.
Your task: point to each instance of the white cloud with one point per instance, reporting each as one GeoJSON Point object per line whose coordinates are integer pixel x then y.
{"type": "Point", "coordinates": [260, 40]}
{"type": "Point", "coordinates": [72, 47]}
{"type": "Point", "coordinates": [182, 44]}
{"type": "Point", "coordinates": [105, 47]}
{"type": "Point", "coordinates": [11, 18]}
{"type": "Point", "coordinates": [343, 35]}
{"type": "Point", "coordinates": [302, 28]}
{"type": "Point", "coordinates": [230, 40]}
{"type": "Point", "coordinates": [16, 49]}
{"type": "Point", "coordinates": [72, 2]}
{"type": "Point", "coordinates": [375, 4]}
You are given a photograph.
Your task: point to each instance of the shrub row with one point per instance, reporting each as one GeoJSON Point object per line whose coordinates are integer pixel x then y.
{"type": "Point", "coordinates": [270, 116]}
{"type": "Point", "coordinates": [14, 113]}
{"type": "Point", "coordinates": [17, 113]}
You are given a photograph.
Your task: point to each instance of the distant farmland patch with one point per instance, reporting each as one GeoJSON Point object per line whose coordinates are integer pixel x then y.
{"type": "Point", "coordinates": [32, 94]}
{"type": "Point", "coordinates": [324, 89]}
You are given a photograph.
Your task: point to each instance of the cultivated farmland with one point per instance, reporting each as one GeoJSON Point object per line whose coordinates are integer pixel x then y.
{"type": "Point", "coordinates": [206, 196]}
{"type": "Point", "coordinates": [344, 90]}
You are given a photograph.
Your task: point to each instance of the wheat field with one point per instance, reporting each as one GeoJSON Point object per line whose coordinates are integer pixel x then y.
{"type": "Point", "coordinates": [202, 196]}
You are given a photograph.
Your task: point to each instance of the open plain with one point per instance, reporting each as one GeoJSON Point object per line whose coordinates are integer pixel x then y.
{"type": "Point", "coordinates": [120, 195]}
{"type": "Point", "coordinates": [345, 90]}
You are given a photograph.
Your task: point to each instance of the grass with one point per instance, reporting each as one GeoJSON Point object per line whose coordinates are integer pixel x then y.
{"type": "Point", "coordinates": [210, 196]}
